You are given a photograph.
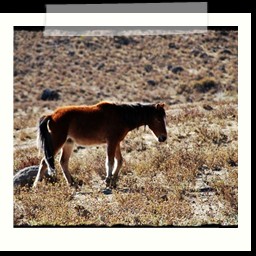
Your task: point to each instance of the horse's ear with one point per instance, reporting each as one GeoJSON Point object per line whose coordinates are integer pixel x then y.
{"type": "Point", "coordinates": [160, 105]}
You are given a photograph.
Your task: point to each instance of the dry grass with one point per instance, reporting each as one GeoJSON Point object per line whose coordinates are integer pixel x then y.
{"type": "Point", "coordinates": [190, 180]}
{"type": "Point", "coordinates": [157, 187]}
{"type": "Point", "coordinates": [24, 157]}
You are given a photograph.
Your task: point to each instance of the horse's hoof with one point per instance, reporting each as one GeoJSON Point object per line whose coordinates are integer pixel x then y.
{"type": "Point", "coordinates": [50, 173]}
{"type": "Point", "coordinates": [108, 181]}
{"type": "Point", "coordinates": [107, 191]}
{"type": "Point", "coordinates": [113, 182]}
{"type": "Point", "coordinates": [75, 183]}
{"type": "Point", "coordinates": [113, 185]}
{"type": "Point", "coordinates": [34, 186]}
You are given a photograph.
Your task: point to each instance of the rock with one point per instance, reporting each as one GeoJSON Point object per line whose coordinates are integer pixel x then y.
{"type": "Point", "coordinates": [61, 40]}
{"type": "Point", "coordinates": [222, 68]}
{"type": "Point", "coordinates": [173, 46]}
{"type": "Point", "coordinates": [203, 167]}
{"type": "Point", "coordinates": [204, 55]}
{"type": "Point", "coordinates": [49, 94]}
{"type": "Point", "coordinates": [223, 57]}
{"type": "Point", "coordinates": [224, 32]}
{"type": "Point", "coordinates": [177, 70]}
{"type": "Point", "coordinates": [71, 53]}
{"type": "Point", "coordinates": [226, 51]}
{"type": "Point", "coordinates": [169, 67]}
{"type": "Point", "coordinates": [207, 107]}
{"type": "Point", "coordinates": [123, 40]}
{"type": "Point", "coordinates": [164, 197]}
{"type": "Point", "coordinates": [25, 176]}
{"type": "Point", "coordinates": [216, 168]}
{"type": "Point", "coordinates": [207, 189]}
{"type": "Point", "coordinates": [195, 52]}
{"type": "Point", "coordinates": [232, 163]}
{"type": "Point", "coordinates": [89, 44]}
{"type": "Point", "coordinates": [101, 66]}
{"type": "Point", "coordinates": [148, 68]}
{"type": "Point", "coordinates": [151, 82]}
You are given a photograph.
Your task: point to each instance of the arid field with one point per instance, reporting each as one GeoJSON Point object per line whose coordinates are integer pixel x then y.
{"type": "Point", "coordinates": [189, 180]}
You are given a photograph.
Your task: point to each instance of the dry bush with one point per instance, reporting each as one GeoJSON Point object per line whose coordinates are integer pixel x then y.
{"type": "Point", "coordinates": [23, 120]}
{"type": "Point", "coordinates": [46, 205]}
{"type": "Point", "coordinates": [151, 197]}
{"type": "Point", "coordinates": [25, 157]}
{"type": "Point", "coordinates": [227, 192]}
{"type": "Point", "coordinates": [87, 162]}
{"type": "Point", "coordinates": [205, 85]}
{"type": "Point", "coordinates": [153, 187]}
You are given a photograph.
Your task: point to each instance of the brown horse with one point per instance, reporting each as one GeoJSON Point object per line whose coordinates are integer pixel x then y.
{"type": "Point", "coordinates": [89, 125]}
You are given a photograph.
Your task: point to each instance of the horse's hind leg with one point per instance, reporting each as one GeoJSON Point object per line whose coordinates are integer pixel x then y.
{"type": "Point", "coordinates": [41, 172]}
{"type": "Point", "coordinates": [64, 159]}
{"type": "Point", "coordinates": [110, 162]}
{"type": "Point", "coordinates": [119, 160]}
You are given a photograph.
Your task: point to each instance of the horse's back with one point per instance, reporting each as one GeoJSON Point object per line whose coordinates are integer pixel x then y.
{"type": "Point", "coordinates": [86, 125]}
{"type": "Point", "coordinates": [83, 109]}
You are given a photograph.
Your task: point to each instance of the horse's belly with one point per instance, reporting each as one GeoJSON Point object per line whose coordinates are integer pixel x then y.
{"type": "Point", "coordinates": [89, 141]}
{"type": "Point", "coordinates": [87, 133]}
{"type": "Point", "coordinates": [92, 138]}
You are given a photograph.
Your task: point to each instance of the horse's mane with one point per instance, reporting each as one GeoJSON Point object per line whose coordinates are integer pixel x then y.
{"type": "Point", "coordinates": [135, 114]}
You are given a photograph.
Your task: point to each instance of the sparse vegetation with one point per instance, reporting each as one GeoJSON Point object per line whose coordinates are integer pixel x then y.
{"type": "Point", "coordinates": [190, 180]}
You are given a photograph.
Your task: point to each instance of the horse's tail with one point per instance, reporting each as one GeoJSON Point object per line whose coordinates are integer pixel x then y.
{"type": "Point", "coordinates": [44, 140]}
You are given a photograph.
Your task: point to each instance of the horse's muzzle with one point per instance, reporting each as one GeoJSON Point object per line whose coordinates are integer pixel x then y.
{"type": "Point", "coordinates": [162, 138]}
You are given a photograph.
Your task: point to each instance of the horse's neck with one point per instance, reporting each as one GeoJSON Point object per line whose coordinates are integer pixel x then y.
{"type": "Point", "coordinates": [137, 116]}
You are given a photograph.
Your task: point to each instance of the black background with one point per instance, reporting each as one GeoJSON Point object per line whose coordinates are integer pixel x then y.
{"type": "Point", "coordinates": [39, 6]}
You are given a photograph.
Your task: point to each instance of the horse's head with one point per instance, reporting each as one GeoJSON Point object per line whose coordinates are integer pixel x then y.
{"type": "Point", "coordinates": [157, 122]}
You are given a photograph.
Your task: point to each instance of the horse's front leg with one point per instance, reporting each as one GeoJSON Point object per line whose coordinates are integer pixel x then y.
{"type": "Point", "coordinates": [119, 162]}
{"type": "Point", "coordinates": [110, 162]}
{"type": "Point", "coordinates": [64, 159]}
